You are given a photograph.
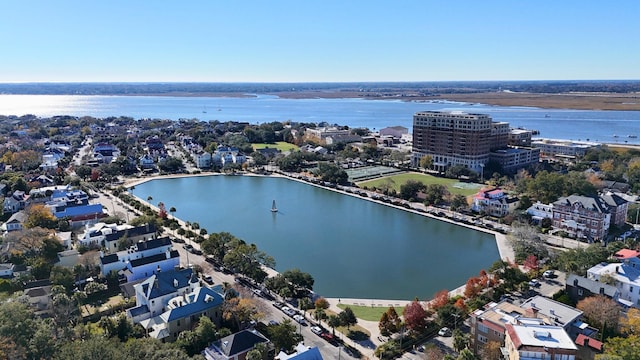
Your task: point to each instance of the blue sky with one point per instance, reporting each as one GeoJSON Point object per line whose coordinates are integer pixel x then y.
{"type": "Point", "coordinates": [317, 41]}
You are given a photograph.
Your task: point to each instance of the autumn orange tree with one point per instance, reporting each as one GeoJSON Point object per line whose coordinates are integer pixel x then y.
{"type": "Point", "coordinates": [601, 311]}
{"type": "Point", "coordinates": [440, 299]}
{"type": "Point", "coordinates": [40, 216]}
{"type": "Point", "coordinates": [389, 322]}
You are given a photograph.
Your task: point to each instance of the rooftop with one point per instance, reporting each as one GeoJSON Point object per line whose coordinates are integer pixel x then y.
{"type": "Point", "coordinates": [540, 336]}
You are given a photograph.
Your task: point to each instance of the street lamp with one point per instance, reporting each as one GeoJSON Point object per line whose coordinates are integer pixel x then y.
{"type": "Point", "coordinates": [482, 173]}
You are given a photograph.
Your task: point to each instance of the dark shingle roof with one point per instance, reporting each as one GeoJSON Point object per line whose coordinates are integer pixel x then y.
{"type": "Point", "coordinates": [108, 259]}
{"type": "Point", "coordinates": [592, 285]}
{"type": "Point", "coordinates": [204, 298]}
{"type": "Point", "coordinates": [593, 203]}
{"type": "Point", "coordinates": [239, 342]}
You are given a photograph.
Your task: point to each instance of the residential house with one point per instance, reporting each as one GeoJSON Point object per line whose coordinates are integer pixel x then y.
{"type": "Point", "coordinates": [618, 208]}
{"type": "Point", "coordinates": [14, 223]}
{"type": "Point", "coordinates": [227, 155]}
{"type": "Point", "coordinates": [153, 293]}
{"type": "Point", "coordinates": [534, 341]}
{"type": "Point", "coordinates": [140, 250]}
{"type": "Point", "coordinates": [183, 312]}
{"type": "Point", "coordinates": [146, 266]}
{"type": "Point", "coordinates": [588, 347]}
{"type": "Point", "coordinates": [493, 202]}
{"type": "Point", "coordinates": [146, 162]}
{"type": "Point", "coordinates": [579, 287]}
{"type": "Point", "coordinates": [235, 346]}
{"type": "Point", "coordinates": [108, 235]}
{"type": "Point", "coordinates": [301, 352]}
{"type": "Point", "coordinates": [203, 160]}
{"type": "Point", "coordinates": [16, 202]}
{"type": "Point", "coordinates": [582, 217]}
{"type": "Point", "coordinates": [558, 314]}
{"type": "Point", "coordinates": [38, 295]}
{"type": "Point", "coordinates": [489, 323]}
{"type": "Point", "coordinates": [539, 211]}
{"type": "Point", "coordinates": [625, 274]}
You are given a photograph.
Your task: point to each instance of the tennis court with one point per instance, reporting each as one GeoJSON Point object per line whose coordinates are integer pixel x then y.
{"type": "Point", "coordinates": [370, 172]}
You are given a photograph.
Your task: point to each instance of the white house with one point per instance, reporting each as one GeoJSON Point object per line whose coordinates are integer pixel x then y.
{"type": "Point", "coordinates": [14, 223]}
{"type": "Point", "coordinates": [140, 250]}
{"type": "Point", "coordinates": [153, 294]}
{"type": "Point", "coordinates": [539, 211]}
{"type": "Point", "coordinates": [625, 273]}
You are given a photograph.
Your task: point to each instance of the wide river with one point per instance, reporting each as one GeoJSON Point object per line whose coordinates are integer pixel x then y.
{"type": "Point", "coordinates": [602, 126]}
{"type": "Point", "coordinates": [352, 247]}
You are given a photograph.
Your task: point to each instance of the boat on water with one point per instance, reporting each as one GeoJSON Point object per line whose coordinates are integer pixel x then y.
{"type": "Point", "coordinates": [273, 206]}
{"type": "Point", "coordinates": [633, 136]}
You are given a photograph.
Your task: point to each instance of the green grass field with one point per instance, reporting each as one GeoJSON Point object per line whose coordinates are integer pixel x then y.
{"type": "Point", "coordinates": [396, 180]}
{"type": "Point", "coordinates": [370, 313]}
{"type": "Point", "coordinates": [280, 145]}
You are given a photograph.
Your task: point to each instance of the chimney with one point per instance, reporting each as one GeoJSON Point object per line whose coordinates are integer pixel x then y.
{"type": "Point", "coordinates": [601, 291]}
{"type": "Point", "coordinates": [575, 282]}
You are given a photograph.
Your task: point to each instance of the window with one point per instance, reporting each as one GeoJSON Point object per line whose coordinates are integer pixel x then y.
{"type": "Point", "coordinates": [579, 292]}
{"type": "Point", "coordinates": [630, 289]}
{"type": "Point", "coordinates": [483, 328]}
{"type": "Point", "coordinates": [482, 339]}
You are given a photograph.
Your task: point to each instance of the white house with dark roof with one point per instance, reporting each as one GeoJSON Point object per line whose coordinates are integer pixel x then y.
{"type": "Point", "coordinates": [625, 273]}
{"type": "Point", "coordinates": [182, 312]}
{"type": "Point", "coordinates": [14, 223]}
{"type": "Point", "coordinates": [150, 265]}
{"type": "Point", "coordinates": [234, 346]}
{"type": "Point", "coordinates": [148, 250]}
{"type": "Point", "coordinates": [153, 293]}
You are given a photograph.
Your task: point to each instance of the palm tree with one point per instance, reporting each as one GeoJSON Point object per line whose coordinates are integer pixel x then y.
{"type": "Point", "coordinates": [149, 198]}
{"type": "Point", "coordinates": [334, 322]}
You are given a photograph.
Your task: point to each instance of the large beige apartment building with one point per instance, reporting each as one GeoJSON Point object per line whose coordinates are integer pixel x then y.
{"type": "Point", "coordinates": [452, 138]}
{"type": "Point", "coordinates": [471, 140]}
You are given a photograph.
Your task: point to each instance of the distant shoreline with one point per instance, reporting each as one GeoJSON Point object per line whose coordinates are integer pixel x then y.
{"type": "Point", "coordinates": [569, 101]}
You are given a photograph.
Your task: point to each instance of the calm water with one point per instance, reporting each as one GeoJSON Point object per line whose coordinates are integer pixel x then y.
{"type": "Point", "coordinates": [352, 247]}
{"type": "Point", "coordinates": [373, 114]}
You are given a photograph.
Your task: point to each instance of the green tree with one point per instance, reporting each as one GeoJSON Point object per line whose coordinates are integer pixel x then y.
{"type": "Point", "coordinates": [284, 335]}
{"type": "Point", "coordinates": [347, 317]}
{"type": "Point", "coordinates": [410, 189]}
{"type": "Point", "coordinates": [458, 202]}
{"type": "Point", "coordinates": [435, 194]}
{"type": "Point", "coordinates": [460, 340]}
{"type": "Point", "coordinates": [62, 276]}
{"type": "Point", "coordinates": [333, 321]}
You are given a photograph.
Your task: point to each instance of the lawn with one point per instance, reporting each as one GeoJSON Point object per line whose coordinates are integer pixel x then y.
{"type": "Point", "coordinates": [454, 186]}
{"type": "Point", "coordinates": [280, 145]}
{"type": "Point", "coordinates": [370, 313]}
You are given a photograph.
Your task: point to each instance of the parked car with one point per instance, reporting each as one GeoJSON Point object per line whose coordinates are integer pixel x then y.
{"type": "Point", "coordinates": [300, 319]}
{"type": "Point", "coordinates": [445, 331]}
{"type": "Point", "coordinates": [188, 247]}
{"type": "Point", "coordinates": [196, 251]}
{"type": "Point", "coordinates": [317, 330]}
{"type": "Point", "coordinates": [534, 283]}
{"type": "Point", "coordinates": [549, 274]}
{"type": "Point", "coordinates": [287, 310]}
{"type": "Point", "coordinates": [208, 279]}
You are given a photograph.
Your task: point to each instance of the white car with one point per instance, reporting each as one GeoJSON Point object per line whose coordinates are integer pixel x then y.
{"type": "Point", "coordinates": [548, 273]}
{"type": "Point", "coordinates": [445, 331]}
{"type": "Point", "coordinates": [300, 319]}
{"type": "Point", "coordinates": [316, 330]}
